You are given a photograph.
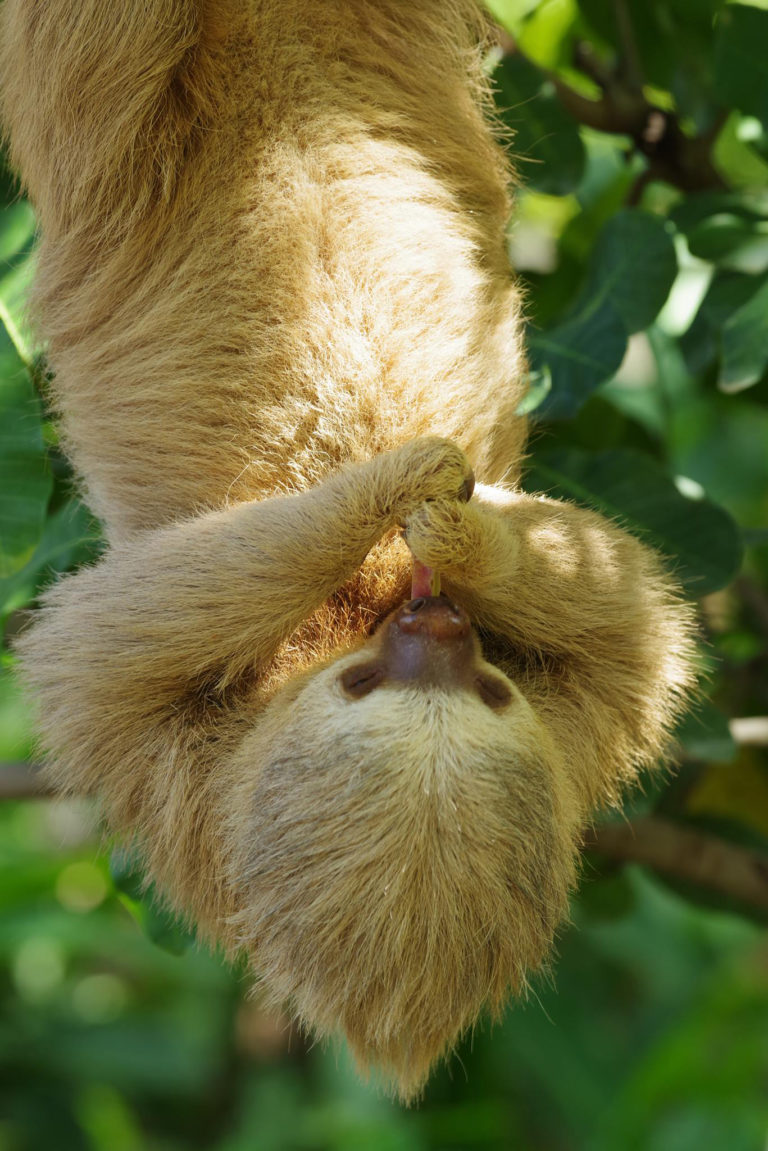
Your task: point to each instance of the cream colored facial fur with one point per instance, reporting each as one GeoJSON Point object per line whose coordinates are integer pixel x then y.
{"type": "Point", "coordinates": [438, 856]}
{"type": "Point", "coordinates": [274, 289]}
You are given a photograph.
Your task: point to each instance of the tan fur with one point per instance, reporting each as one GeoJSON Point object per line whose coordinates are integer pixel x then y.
{"type": "Point", "coordinates": [273, 283]}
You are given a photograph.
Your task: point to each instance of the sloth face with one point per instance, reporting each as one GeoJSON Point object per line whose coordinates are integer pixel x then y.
{"type": "Point", "coordinates": [410, 844]}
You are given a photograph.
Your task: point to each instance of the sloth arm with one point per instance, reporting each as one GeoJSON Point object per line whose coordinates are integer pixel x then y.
{"type": "Point", "coordinates": [140, 665]}
{"type": "Point", "coordinates": [592, 628]}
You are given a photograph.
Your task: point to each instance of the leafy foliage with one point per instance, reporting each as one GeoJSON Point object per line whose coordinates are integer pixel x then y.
{"type": "Point", "coordinates": [641, 237]}
{"type": "Point", "coordinates": [627, 280]}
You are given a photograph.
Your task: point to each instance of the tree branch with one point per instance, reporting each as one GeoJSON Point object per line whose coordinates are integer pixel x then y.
{"type": "Point", "coordinates": [634, 70]}
{"type": "Point", "coordinates": [750, 730]}
{"type": "Point", "coordinates": [22, 781]}
{"type": "Point", "coordinates": [683, 852]}
{"type": "Point", "coordinates": [693, 856]}
{"type": "Point", "coordinates": [655, 132]}
{"type": "Point", "coordinates": [680, 160]}
{"type": "Point", "coordinates": [755, 599]}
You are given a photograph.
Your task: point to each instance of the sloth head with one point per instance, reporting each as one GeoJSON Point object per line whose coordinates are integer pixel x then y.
{"type": "Point", "coordinates": [409, 844]}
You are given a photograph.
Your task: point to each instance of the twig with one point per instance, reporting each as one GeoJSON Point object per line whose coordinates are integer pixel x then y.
{"type": "Point", "coordinates": [750, 730]}
{"type": "Point", "coordinates": [635, 194]}
{"type": "Point", "coordinates": [692, 856]}
{"type": "Point", "coordinates": [672, 156]}
{"type": "Point", "coordinates": [623, 109]}
{"type": "Point", "coordinates": [586, 60]}
{"type": "Point", "coordinates": [22, 781]}
{"type": "Point", "coordinates": [628, 45]}
{"type": "Point", "coordinates": [755, 599]}
{"type": "Point", "coordinates": [689, 855]}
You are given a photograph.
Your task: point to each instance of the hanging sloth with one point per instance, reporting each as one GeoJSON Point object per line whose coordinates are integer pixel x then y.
{"type": "Point", "coordinates": [274, 288]}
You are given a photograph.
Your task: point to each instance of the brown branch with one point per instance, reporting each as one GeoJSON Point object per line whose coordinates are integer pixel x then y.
{"type": "Point", "coordinates": [686, 854]}
{"type": "Point", "coordinates": [22, 781]}
{"type": "Point", "coordinates": [755, 599]}
{"type": "Point", "coordinates": [655, 132]}
{"type": "Point", "coordinates": [680, 160]}
{"type": "Point", "coordinates": [586, 60]}
{"type": "Point", "coordinates": [626, 32]}
{"type": "Point", "coordinates": [689, 855]}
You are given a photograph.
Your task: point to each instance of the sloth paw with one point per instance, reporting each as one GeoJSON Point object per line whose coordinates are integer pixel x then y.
{"type": "Point", "coordinates": [447, 536]}
{"type": "Point", "coordinates": [427, 469]}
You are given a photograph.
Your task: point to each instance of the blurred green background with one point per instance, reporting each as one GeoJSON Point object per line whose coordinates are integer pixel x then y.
{"type": "Point", "coordinates": [641, 236]}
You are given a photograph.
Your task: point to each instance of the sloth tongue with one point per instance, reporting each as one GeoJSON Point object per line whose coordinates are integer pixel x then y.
{"type": "Point", "coordinates": [424, 581]}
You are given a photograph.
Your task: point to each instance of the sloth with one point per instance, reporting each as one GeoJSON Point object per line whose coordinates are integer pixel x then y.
{"type": "Point", "coordinates": [273, 285]}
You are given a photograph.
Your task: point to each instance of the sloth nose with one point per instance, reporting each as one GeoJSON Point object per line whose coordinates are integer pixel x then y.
{"type": "Point", "coordinates": [433, 618]}
{"type": "Point", "coordinates": [428, 640]}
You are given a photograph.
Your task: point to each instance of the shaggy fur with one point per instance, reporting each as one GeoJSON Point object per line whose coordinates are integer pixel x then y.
{"type": "Point", "coordinates": [273, 282]}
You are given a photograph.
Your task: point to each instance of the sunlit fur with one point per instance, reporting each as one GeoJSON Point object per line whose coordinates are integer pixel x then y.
{"type": "Point", "coordinates": [434, 867]}
{"type": "Point", "coordinates": [273, 283]}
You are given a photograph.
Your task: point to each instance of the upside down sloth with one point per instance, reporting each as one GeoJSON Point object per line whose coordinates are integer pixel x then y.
{"type": "Point", "coordinates": [273, 284]}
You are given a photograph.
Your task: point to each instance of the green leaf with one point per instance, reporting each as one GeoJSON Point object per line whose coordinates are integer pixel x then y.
{"type": "Point", "coordinates": [700, 538]}
{"type": "Point", "coordinates": [17, 233]}
{"type": "Point", "coordinates": [727, 293]}
{"type": "Point", "coordinates": [720, 442]}
{"type": "Point", "coordinates": [731, 241]}
{"type": "Point", "coordinates": [704, 734]}
{"type": "Point", "coordinates": [511, 13]}
{"type": "Point", "coordinates": [546, 139]}
{"type": "Point", "coordinates": [603, 192]}
{"type": "Point", "coordinates": [737, 160]}
{"type": "Point", "coordinates": [127, 874]}
{"type": "Point", "coordinates": [141, 899]}
{"type": "Point", "coordinates": [693, 210]}
{"type": "Point", "coordinates": [165, 930]}
{"type": "Point", "coordinates": [539, 387]}
{"type": "Point", "coordinates": [547, 33]}
{"type": "Point", "coordinates": [628, 279]}
{"type": "Point", "coordinates": [633, 265]}
{"type": "Point", "coordinates": [727, 228]}
{"type": "Point", "coordinates": [745, 344]}
{"type": "Point", "coordinates": [25, 479]}
{"type": "Point", "coordinates": [741, 76]}
{"type": "Point", "coordinates": [754, 537]}
{"type": "Point", "coordinates": [605, 897]}
{"type": "Point", "coordinates": [70, 536]}
{"type": "Point", "coordinates": [578, 354]}
{"type": "Point", "coordinates": [666, 42]}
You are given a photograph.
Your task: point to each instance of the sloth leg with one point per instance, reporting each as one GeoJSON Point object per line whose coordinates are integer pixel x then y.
{"type": "Point", "coordinates": [129, 660]}
{"type": "Point", "coordinates": [191, 607]}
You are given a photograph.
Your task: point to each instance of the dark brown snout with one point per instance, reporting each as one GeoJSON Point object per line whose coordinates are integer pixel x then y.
{"type": "Point", "coordinates": [434, 618]}
{"type": "Point", "coordinates": [429, 639]}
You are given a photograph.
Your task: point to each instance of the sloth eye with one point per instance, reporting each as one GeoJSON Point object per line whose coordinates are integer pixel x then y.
{"type": "Point", "coordinates": [359, 681]}
{"type": "Point", "coordinates": [493, 691]}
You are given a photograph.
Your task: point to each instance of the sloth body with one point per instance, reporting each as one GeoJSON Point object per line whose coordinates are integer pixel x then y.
{"type": "Point", "coordinates": [273, 282]}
